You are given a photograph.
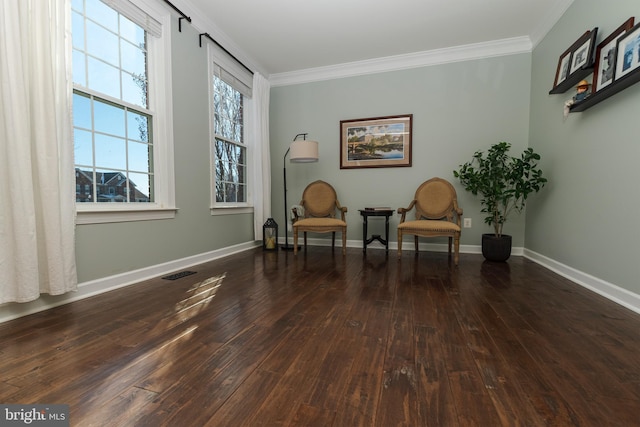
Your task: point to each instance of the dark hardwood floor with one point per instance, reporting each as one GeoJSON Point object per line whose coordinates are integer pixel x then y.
{"type": "Point", "coordinates": [323, 339]}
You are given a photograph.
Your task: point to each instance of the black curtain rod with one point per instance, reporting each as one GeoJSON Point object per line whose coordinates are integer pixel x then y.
{"type": "Point", "coordinates": [183, 16]}
{"type": "Point", "coordinates": [226, 51]}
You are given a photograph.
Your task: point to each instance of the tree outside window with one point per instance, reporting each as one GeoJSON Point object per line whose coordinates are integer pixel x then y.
{"type": "Point", "coordinates": [229, 149]}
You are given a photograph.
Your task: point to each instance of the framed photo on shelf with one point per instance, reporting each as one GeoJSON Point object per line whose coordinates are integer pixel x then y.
{"type": "Point", "coordinates": [628, 52]}
{"type": "Point", "coordinates": [582, 54]}
{"type": "Point", "coordinates": [377, 142]}
{"type": "Point", "coordinates": [563, 67]}
{"type": "Point", "coordinates": [578, 56]}
{"type": "Point", "coordinates": [603, 75]}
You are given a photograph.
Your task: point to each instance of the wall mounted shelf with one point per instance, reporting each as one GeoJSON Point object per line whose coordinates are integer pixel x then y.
{"type": "Point", "coordinates": [612, 89]}
{"type": "Point", "coordinates": [572, 80]}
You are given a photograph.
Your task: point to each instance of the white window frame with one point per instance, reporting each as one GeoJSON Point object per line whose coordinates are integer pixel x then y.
{"type": "Point", "coordinates": [215, 55]}
{"type": "Point", "coordinates": [161, 107]}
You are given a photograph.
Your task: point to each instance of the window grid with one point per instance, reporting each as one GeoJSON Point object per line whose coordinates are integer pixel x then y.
{"type": "Point", "coordinates": [229, 150]}
{"type": "Point", "coordinates": [107, 150]}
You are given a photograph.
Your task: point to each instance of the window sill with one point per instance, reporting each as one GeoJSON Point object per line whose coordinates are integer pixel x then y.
{"type": "Point", "coordinates": [231, 210]}
{"type": "Point", "coordinates": [123, 215]}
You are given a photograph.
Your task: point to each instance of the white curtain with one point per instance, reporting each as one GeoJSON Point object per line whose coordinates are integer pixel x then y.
{"type": "Point", "coordinates": [37, 206]}
{"type": "Point", "coordinates": [261, 158]}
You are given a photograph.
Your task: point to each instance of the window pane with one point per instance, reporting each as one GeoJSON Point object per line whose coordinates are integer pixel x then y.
{"type": "Point", "coordinates": [77, 5]}
{"type": "Point", "coordinates": [240, 172]}
{"type": "Point", "coordinates": [110, 152]}
{"type": "Point", "coordinates": [134, 89]}
{"type": "Point", "coordinates": [82, 148]}
{"type": "Point", "coordinates": [103, 78]}
{"type": "Point", "coordinates": [109, 118]}
{"type": "Point", "coordinates": [102, 44]}
{"type": "Point", "coordinates": [242, 193]}
{"type": "Point", "coordinates": [81, 111]}
{"type": "Point", "coordinates": [131, 31]}
{"type": "Point", "coordinates": [139, 158]}
{"type": "Point", "coordinates": [79, 70]}
{"type": "Point", "coordinates": [83, 179]}
{"type": "Point", "coordinates": [133, 58]}
{"type": "Point", "coordinates": [137, 126]}
{"type": "Point", "coordinates": [140, 187]}
{"type": "Point", "coordinates": [110, 186]}
{"type": "Point", "coordinates": [77, 30]}
{"type": "Point", "coordinates": [102, 13]}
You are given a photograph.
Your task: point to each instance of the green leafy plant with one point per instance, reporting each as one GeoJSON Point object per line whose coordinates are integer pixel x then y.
{"type": "Point", "coordinates": [504, 182]}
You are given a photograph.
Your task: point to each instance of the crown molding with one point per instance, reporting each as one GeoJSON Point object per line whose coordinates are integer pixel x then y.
{"type": "Point", "coordinates": [401, 62]}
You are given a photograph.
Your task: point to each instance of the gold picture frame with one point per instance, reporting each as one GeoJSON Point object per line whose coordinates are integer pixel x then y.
{"type": "Point", "coordinates": [376, 142]}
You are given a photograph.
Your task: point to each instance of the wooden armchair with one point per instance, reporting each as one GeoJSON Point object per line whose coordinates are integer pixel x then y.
{"type": "Point", "coordinates": [319, 202]}
{"type": "Point", "coordinates": [437, 214]}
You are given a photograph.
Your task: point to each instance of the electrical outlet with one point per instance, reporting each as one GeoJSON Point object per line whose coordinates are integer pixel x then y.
{"type": "Point", "coordinates": [467, 223]}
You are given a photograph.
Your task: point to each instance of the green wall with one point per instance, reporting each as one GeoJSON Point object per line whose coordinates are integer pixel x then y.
{"type": "Point", "coordinates": [457, 109]}
{"type": "Point", "coordinates": [107, 249]}
{"type": "Point", "coordinates": [585, 218]}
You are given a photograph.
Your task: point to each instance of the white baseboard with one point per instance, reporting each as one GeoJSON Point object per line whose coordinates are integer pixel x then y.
{"type": "Point", "coordinates": [95, 287]}
{"type": "Point", "coordinates": [608, 290]}
{"type": "Point", "coordinates": [12, 311]}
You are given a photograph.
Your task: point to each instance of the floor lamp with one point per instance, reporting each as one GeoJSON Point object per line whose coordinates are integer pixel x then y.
{"type": "Point", "coordinates": [302, 151]}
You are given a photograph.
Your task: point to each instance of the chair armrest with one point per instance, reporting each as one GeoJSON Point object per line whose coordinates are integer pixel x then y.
{"type": "Point", "coordinates": [342, 209]}
{"type": "Point", "coordinates": [296, 217]}
{"type": "Point", "coordinates": [458, 211]}
{"type": "Point", "coordinates": [403, 211]}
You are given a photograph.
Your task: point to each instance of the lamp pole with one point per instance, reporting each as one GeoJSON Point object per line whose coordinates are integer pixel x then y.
{"type": "Point", "coordinates": [286, 246]}
{"type": "Point", "coordinates": [304, 151]}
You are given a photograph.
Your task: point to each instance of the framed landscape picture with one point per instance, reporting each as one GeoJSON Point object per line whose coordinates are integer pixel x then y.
{"type": "Point", "coordinates": [377, 142]}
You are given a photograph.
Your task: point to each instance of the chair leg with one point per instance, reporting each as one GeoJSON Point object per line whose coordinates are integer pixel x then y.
{"type": "Point", "coordinates": [415, 239]}
{"type": "Point", "coordinates": [456, 246]}
{"type": "Point", "coordinates": [344, 241]}
{"type": "Point", "coordinates": [399, 243]}
{"type": "Point", "coordinates": [450, 240]}
{"type": "Point", "coordinates": [305, 241]}
{"type": "Point", "coordinates": [333, 240]}
{"type": "Point", "coordinates": [295, 240]}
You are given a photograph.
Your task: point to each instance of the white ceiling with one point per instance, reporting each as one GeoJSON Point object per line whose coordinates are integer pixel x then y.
{"type": "Point", "coordinates": [283, 36]}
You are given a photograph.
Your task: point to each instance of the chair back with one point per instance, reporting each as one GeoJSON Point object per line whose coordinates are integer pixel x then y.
{"type": "Point", "coordinates": [319, 200]}
{"type": "Point", "coordinates": [435, 199]}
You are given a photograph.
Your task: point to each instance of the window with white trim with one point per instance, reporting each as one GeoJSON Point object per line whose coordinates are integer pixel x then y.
{"type": "Point", "coordinates": [230, 150]}
{"type": "Point", "coordinates": [122, 106]}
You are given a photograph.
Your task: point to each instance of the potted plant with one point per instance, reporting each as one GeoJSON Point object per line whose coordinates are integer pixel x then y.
{"type": "Point", "coordinates": [504, 183]}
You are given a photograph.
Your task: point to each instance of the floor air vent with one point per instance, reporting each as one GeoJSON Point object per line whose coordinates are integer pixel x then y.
{"type": "Point", "coordinates": [179, 275]}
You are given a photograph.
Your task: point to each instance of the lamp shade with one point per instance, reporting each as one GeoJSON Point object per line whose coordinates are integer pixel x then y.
{"type": "Point", "coordinates": [304, 151]}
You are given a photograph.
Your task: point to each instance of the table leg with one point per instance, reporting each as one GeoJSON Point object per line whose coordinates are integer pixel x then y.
{"type": "Point", "coordinates": [386, 232]}
{"type": "Point", "coordinates": [364, 234]}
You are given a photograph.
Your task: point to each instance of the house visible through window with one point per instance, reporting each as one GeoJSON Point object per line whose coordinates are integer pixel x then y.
{"type": "Point", "coordinates": [121, 104]}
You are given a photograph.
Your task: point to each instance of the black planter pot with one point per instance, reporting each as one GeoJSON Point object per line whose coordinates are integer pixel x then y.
{"type": "Point", "coordinates": [496, 248]}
